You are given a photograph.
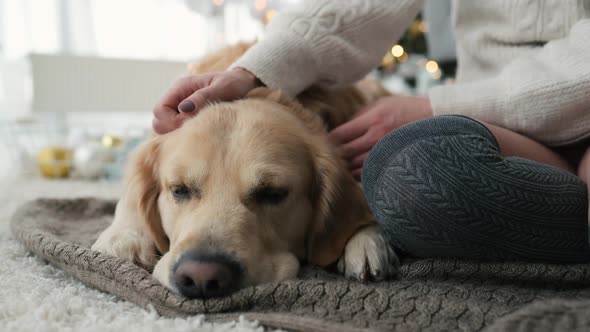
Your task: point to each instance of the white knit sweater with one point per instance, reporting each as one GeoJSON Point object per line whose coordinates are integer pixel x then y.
{"type": "Point", "coordinates": [523, 64]}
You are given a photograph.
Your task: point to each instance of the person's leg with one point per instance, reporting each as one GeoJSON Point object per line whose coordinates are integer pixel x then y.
{"type": "Point", "coordinates": [512, 144]}
{"type": "Point", "coordinates": [440, 187]}
{"type": "Point", "coordinates": [584, 167]}
{"type": "Point", "coordinates": [584, 173]}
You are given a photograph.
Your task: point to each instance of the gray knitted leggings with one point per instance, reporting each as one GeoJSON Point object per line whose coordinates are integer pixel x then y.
{"type": "Point", "coordinates": [439, 187]}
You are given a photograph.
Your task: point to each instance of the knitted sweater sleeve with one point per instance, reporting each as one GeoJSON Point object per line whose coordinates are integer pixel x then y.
{"type": "Point", "coordinates": [327, 42]}
{"type": "Point", "coordinates": [545, 97]}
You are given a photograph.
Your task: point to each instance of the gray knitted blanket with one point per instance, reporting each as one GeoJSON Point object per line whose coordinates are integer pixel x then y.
{"type": "Point", "coordinates": [431, 294]}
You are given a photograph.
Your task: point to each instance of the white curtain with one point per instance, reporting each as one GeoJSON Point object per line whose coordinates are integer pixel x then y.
{"type": "Point", "coordinates": [134, 29]}
{"type": "Point", "coordinates": [24, 29]}
{"type": "Point", "coordinates": [142, 29]}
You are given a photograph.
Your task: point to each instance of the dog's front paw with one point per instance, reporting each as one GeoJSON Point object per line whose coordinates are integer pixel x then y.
{"type": "Point", "coordinates": [128, 245]}
{"type": "Point", "coordinates": [367, 256]}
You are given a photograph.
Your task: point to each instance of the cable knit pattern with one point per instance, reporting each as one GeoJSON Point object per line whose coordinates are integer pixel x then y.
{"type": "Point", "coordinates": [431, 295]}
{"type": "Point", "coordinates": [327, 43]}
{"type": "Point", "coordinates": [440, 188]}
{"type": "Point", "coordinates": [523, 64]}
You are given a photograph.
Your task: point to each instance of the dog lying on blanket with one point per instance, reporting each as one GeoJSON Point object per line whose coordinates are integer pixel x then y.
{"type": "Point", "coordinates": [245, 191]}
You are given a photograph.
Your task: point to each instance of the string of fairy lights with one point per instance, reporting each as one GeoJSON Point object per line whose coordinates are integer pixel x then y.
{"type": "Point", "coordinates": [262, 6]}
{"type": "Point", "coordinates": [397, 54]}
{"type": "Point", "coordinates": [411, 43]}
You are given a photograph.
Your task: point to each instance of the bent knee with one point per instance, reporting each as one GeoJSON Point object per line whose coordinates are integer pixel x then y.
{"type": "Point", "coordinates": [441, 188]}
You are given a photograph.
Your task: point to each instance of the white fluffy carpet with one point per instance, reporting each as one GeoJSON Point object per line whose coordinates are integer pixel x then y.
{"type": "Point", "coordinates": [35, 296]}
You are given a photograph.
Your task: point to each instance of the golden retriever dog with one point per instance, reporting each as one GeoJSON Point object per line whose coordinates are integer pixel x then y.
{"type": "Point", "coordinates": [245, 192]}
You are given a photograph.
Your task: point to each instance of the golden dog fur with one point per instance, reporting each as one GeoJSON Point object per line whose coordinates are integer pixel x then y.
{"type": "Point", "coordinates": [257, 179]}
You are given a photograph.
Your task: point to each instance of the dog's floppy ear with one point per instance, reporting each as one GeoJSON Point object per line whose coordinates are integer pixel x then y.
{"type": "Point", "coordinates": [339, 203]}
{"type": "Point", "coordinates": [142, 190]}
{"type": "Point", "coordinates": [340, 208]}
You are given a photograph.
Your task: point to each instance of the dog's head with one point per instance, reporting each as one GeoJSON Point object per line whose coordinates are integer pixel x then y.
{"type": "Point", "coordinates": [241, 194]}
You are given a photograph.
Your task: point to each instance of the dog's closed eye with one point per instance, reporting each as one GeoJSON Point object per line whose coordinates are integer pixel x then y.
{"type": "Point", "coordinates": [267, 195]}
{"type": "Point", "coordinates": [182, 193]}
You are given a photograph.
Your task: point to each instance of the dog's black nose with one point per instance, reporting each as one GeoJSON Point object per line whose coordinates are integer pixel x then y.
{"type": "Point", "coordinates": [202, 274]}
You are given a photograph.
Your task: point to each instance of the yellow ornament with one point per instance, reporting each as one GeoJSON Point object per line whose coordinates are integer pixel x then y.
{"type": "Point", "coordinates": [111, 141]}
{"type": "Point", "coordinates": [55, 162]}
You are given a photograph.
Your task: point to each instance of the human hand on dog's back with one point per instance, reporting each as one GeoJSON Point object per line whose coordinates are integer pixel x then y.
{"type": "Point", "coordinates": [357, 137]}
{"type": "Point", "coordinates": [189, 94]}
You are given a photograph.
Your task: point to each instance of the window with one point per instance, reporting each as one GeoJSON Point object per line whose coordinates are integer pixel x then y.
{"type": "Point", "coordinates": [142, 29]}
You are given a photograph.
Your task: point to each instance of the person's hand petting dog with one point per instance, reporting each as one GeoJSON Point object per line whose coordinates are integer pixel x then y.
{"type": "Point", "coordinates": [356, 137]}
{"type": "Point", "coordinates": [189, 94]}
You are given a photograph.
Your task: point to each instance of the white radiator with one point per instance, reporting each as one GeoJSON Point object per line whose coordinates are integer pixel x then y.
{"type": "Point", "coordinates": [66, 83]}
